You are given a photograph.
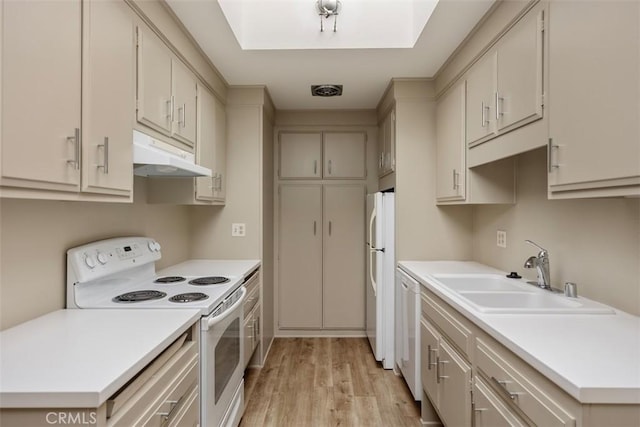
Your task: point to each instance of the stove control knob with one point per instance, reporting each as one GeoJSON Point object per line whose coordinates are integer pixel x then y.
{"type": "Point", "coordinates": [151, 245]}
{"type": "Point", "coordinates": [102, 258]}
{"type": "Point", "coordinates": [90, 261]}
{"type": "Point", "coordinates": [157, 246]}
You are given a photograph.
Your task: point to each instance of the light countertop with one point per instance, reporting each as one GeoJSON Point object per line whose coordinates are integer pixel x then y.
{"type": "Point", "coordinates": [593, 357]}
{"type": "Point", "coordinates": [80, 358]}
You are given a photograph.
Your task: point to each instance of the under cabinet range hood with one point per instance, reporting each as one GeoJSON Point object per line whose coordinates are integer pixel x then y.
{"type": "Point", "coordinates": [152, 157]}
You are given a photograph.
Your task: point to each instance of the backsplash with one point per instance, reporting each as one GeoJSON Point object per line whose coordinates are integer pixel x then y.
{"type": "Point", "coordinates": [36, 234]}
{"type": "Point", "coordinates": [593, 242]}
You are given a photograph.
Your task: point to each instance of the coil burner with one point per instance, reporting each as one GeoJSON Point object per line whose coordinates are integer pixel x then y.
{"type": "Point", "coordinates": [169, 279]}
{"type": "Point", "coordinates": [189, 297]}
{"type": "Point", "coordinates": [139, 296]}
{"type": "Point", "coordinates": [211, 280]}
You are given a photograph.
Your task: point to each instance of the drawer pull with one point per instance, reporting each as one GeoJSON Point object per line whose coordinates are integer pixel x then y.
{"type": "Point", "coordinates": [502, 386]}
{"type": "Point", "coordinates": [166, 416]}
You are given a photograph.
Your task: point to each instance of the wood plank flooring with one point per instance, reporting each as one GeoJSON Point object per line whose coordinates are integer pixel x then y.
{"type": "Point", "coordinates": [322, 382]}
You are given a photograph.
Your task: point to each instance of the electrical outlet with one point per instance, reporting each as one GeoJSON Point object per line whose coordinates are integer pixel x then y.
{"type": "Point", "coordinates": [238, 230]}
{"type": "Point", "coordinates": [501, 239]}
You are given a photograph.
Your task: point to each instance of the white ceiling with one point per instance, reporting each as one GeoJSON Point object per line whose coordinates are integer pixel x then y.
{"type": "Point", "coordinates": [365, 73]}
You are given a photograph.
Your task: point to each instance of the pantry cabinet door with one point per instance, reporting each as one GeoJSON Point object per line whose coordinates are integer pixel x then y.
{"type": "Point", "coordinates": [300, 155]}
{"type": "Point", "coordinates": [155, 104]}
{"type": "Point", "coordinates": [300, 257]}
{"type": "Point", "coordinates": [41, 75]}
{"type": "Point", "coordinates": [594, 76]}
{"type": "Point", "coordinates": [345, 155]}
{"type": "Point", "coordinates": [108, 98]}
{"type": "Point", "coordinates": [184, 105]}
{"type": "Point", "coordinates": [519, 67]}
{"type": "Point", "coordinates": [343, 269]}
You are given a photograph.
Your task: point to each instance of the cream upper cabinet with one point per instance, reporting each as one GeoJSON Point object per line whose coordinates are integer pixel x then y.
{"type": "Point", "coordinates": [493, 183]}
{"type": "Point", "coordinates": [89, 47]}
{"type": "Point", "coordinates": [109, 58]}
{"type": "Point", "coordinates": [206, 149]}
{"type": "Point", "coordinates": [519, 73]}
{"type": "Point", "coordinates": [345, 155]}
{"type": "Point", "coordinates": [343, 257]}
{"type": "Point", "coordinates": [220, 166]}
{"type": "Point", "coordinates": [480, 108]}
{"type": "Point", "coordinates": [450, 148]}
{"type": "Point", "coordinates": [300, 155]}
{"type": "Point", "coordinates": [184, 103]}
{"type": "Point", "coordinates": [155, 103]}
{"type": "Point", "coordinates": [387, 144]}
{"type": "Point", "coordinates": [594, 75]}
{"type": "Point", "coordinates": [166, 93]}
{"type": "Point", "coordinates": [317, 155]}
{"type": "Point", "coordinates": [504, 88]}
{"type": "Point", "coordinates": [41, 75]}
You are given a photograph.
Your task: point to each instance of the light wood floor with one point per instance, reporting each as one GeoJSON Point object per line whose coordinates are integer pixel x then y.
{"type": "Point", "coordinates": [326, 382]}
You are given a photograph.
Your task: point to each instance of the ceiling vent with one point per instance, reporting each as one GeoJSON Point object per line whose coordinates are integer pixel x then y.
{"type": "Point", "coordinates": [326, 90]}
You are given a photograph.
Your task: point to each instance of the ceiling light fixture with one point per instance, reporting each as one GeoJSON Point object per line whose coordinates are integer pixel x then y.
{"type": "Point", "coordinates": [327, 8]}
{"type": "Point", "coordinates": [326, 90]}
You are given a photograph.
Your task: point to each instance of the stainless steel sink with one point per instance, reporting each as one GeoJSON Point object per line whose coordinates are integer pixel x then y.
{"type": "Point", "coordinates": [495, 294]}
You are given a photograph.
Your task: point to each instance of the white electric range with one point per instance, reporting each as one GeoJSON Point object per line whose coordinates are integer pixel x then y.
{"type": "Point", "coordinates": [120, 273]}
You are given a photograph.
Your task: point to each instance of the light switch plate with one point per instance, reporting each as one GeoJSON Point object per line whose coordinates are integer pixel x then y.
{"type": "Point", "coordinates": [238, 230]}
{"type": "Point", "coordinates": [501, 239]}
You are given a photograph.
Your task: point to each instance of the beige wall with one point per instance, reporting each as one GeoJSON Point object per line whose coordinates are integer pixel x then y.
{"type": "Point", "coordinates": [423, 230]}
{"type": "Point", "coordinates": [593, 242]}
{"type": "Point", "coordinates": [35, 235]}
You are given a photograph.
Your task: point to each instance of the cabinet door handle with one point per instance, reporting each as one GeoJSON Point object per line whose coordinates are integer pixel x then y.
{"type": "Point", "coordinates": [75, 139]}
{"type": "Point", "coordinates": [329, 228]}
{"type": "Point", "coordinates": [438, 376]}
{"type": "Point", "coordinates": [105, 149]}
{"type": "Point", "coordinates": [314, 228]}
{"type": "Point", "coordinates": [182, 121]}
{"type": "Point", "coordinates": [315, 167]}
{"type": "Point", "coordinates": [484, 120]}
{"type": "Point", "coordinates": [173, 106]}
{"type": "Point", "coordinates": [429, 351]}
{"type": "Point", "coordinates": [329, 167]}
{"type": "Point", "coordinates": [170, 109]}
{"type": "Point", "coordinates": [498, 112]}
{"type": "Point", "coordinates": [550, 147]}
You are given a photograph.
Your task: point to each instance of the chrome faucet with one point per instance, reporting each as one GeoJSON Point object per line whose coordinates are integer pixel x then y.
{"type": "Point", "coordinates": [541, 264]}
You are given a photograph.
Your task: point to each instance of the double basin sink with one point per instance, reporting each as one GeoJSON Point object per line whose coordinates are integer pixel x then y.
{"type": "Point", "coordinates": [497, 294]}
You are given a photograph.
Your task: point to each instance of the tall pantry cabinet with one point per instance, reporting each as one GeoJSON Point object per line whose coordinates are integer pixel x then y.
{"type": "Point", "coordinates": [321, 230]}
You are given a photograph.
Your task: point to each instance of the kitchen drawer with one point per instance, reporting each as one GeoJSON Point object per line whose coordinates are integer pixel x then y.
{"type": "Point", "coordinates": [248, 336]}
{"type": "Point", "coordinates": [489, 410]}
{"type": "Point", "coordinates": [162, 392]}
{"type": "Point", "coordinates": [451, 326]}
{"type": "Point", "coordinates": [504, 372]}
{"type": "Point", "coordinates": [253, 296]}
{"type": "Point", "coordinates": [188, 413]}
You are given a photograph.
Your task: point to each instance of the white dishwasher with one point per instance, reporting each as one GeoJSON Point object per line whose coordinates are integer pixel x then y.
{"type": "Point", "coordinates": [407, 354]}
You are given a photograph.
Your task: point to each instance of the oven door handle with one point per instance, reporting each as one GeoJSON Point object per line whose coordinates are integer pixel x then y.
{"type": "Point", "coordinates": [215, 320]}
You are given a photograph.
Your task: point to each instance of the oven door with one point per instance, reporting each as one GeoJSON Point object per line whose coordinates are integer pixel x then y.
{"type": "Point", "coordinates": [221, 366]}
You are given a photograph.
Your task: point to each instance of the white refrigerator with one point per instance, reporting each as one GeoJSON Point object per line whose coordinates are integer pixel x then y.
{"type": "Point", "coordinates": [380, 276]}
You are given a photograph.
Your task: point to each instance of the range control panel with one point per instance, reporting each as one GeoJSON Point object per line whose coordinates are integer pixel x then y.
{"type": "Point", "coordinates": [105, 257]}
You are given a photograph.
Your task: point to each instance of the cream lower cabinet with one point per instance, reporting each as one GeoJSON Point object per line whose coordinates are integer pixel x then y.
{"type": "Point", "coordinates": [594, 75]}
{"type": "Point", "coordinates": [489, 410]}
{"type": "Point", "coordinates": [50, 50]}
{"type": "Point", "coordinates": [321, 256]}
{"type": "Point", "coordinates": [445, 375]}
